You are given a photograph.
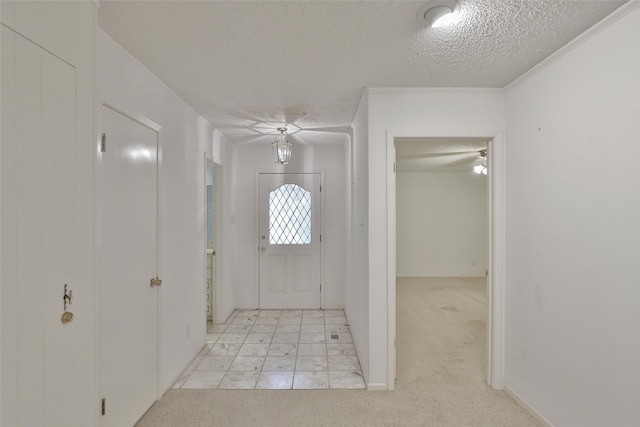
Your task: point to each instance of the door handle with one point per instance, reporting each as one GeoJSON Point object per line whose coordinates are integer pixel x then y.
{"type": "Point", "coordinates": [155, 281]}
{"type": "Point", "coordinates": [263, 248]}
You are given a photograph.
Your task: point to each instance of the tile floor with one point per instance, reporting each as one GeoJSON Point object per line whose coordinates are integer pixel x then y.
{"type": "Point", "coordinates": [277, 349]}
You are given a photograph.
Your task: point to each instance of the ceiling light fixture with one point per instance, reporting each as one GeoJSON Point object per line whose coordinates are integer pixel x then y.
{"type": "Point", "coordinates": [437, 14]}
{"type": "Point", "coordinates": [482, 167]}
{"type": "Point", "coordinates": [282, 147]}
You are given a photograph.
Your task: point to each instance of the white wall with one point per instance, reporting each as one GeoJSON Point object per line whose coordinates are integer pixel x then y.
{"type": "Point", "coordinates": [251, 158]}
{"type": "Point", "coordinates": [573, 227]}
{"type": "Point", "coordinates": [357, 288]}
{"type": "Point", "coordinates": [222, 157]}
{"type": "Point", "coordinates": [184, 139]}
{"type": "Point", "coordinates": [442, 224]}
{"type": "Point", "coordinates": [412, 112]}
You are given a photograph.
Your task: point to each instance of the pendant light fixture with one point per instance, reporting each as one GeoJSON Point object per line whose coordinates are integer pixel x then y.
{"type": "Point", "coordinates": [282, 148]}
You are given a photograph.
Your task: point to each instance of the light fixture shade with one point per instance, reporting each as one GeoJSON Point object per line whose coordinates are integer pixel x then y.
{"type": "Point", "coordinates": [282, 148]}
{"type": "Point", "coordinates": [438, 13]}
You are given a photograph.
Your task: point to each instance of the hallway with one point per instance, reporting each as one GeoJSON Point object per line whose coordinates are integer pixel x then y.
{"type": "Point", "coordinates": [277, 349]}
{"type": "Point", "coordinates": [441, 363]}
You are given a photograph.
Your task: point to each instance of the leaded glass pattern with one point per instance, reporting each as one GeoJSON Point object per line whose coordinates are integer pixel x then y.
{"type": "Point", "coordinates": [289, 215]}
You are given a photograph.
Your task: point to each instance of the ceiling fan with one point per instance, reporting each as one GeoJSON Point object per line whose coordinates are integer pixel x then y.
{"type": "Point", "coordinates": [242, 127]}
{"type": "Point", "coordinates": [476, 157]}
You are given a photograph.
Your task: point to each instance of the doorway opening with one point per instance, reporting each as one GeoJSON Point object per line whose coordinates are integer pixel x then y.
{"type": "Point", "coordinates": [441, 259]}
{"type": "Point", "coordinates": [494, 272]}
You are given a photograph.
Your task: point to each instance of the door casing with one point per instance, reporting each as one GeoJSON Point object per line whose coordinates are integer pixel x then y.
{"type": "Point", "coordinates": [496, 270]}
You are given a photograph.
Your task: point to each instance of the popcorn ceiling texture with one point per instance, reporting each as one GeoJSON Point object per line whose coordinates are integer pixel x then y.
{"type": "Point", "coordinates": [249, 67]}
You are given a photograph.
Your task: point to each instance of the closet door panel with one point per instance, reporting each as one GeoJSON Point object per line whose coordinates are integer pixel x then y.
{"type": "Point", "coordinates": [29, 169]}
{"type": "Point", "coordinates": [8, 321]}
{"type": "Point", "coordinates": [59, 207]}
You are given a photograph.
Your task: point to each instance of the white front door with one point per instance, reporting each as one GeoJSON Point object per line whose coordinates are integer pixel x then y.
{"type": "Point", "coordinates": [127, 251]}
{"type": "Point", "coordinates": [289, 241]}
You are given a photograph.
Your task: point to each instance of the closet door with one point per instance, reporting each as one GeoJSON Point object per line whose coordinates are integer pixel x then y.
{"type": "Point", "coordinates": [39, 248]}
{"type": "Point", "coordinates": [127, 242]}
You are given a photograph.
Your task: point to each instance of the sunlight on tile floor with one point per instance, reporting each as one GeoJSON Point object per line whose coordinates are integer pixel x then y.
{"type": "Point", "coordinates": [277, 349]}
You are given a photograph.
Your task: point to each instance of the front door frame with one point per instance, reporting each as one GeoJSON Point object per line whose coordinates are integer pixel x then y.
{"type": "Point", "coordinates": [256, 215]}
{"type": "Point", "coordinates": [496, 271]}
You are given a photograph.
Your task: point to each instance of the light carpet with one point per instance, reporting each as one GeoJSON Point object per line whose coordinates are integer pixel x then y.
{"type": "Point", "coordinates": [441, 365]}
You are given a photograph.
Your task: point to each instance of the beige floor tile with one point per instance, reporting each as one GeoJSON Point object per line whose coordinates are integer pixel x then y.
{"type": "Point", "coordinates": [204, 379]}
{"type": "Point", "coordinates": [312, 338]}
{"type": "Point", "coordinates": [343, 363]}
{"type": "Point", "coordinates": [225, 349]}
{"type": "Point", "coordinates": [311, 363]}
{"type": "Point", "coordinates": [285, 338]}
{"type": "Point", "coordinates": [275, 380]}
{"type": "Point", "coordinates": [247, 363]}
{"type": "Point", "coordinates": [215, 363]}
{"type": "Point", "coordinates": [312, 349]}
{"type": "Point", "coordinates": [253, 350]}
{"type": "Point", "coordinates": [341, 349]}
{"type": "Point", "coordinates": [304, 380]}
{"type": "Point", "coordinates": [283, 350]}
{"type": "Point", "coordinates": [244, 380]}
{"type": "Point", "coordinates": [279, 363]}
{"type": "Point", "coordinates": [346, 380]}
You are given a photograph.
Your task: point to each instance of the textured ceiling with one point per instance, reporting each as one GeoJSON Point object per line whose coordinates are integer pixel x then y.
{"type": "Point", "coordinates": [249, 67]}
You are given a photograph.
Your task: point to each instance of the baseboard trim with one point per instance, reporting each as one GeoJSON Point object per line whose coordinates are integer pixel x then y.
{"type": "Point", "coordinates": [377, 387]}
{"type": "Point", "coordinates": [527, 407]}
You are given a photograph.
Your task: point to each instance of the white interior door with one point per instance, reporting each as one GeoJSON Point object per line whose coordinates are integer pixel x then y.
{"type": "Point", "coordinates": [41, 376]}
{"type": "Point", "coordinates": [127, 260]}
{"type": "Point", "coordinates": [289, 241]}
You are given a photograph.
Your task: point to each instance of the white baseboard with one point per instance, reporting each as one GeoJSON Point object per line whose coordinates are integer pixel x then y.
{"type": "Point", "coordinates": [535, 414]}
{"type": "Point", "coordinates": [377, 387]}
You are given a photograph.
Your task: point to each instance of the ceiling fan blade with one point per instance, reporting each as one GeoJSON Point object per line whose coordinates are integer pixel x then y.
{"type": "Point", "coordinates": [461, 162]}
{"type": "Point", "coordinates": [329, 129]}
{"type": "Point", "coordinates": [474, 154]}
{"type": "Point", "coordinates": [249, 139]}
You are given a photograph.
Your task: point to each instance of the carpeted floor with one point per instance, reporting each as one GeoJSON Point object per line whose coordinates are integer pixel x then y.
{"type": "Point", "coordinates": [441, 366]}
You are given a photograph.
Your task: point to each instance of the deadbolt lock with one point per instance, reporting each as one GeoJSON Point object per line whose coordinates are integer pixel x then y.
{"type": "Point", "coordinates": [155, 281]}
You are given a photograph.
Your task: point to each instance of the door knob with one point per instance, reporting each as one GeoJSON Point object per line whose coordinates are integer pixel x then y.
{"type": "Point", "coordinates": [155, 281]}
{"type": "Point", "coordinates": [263, 249]}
